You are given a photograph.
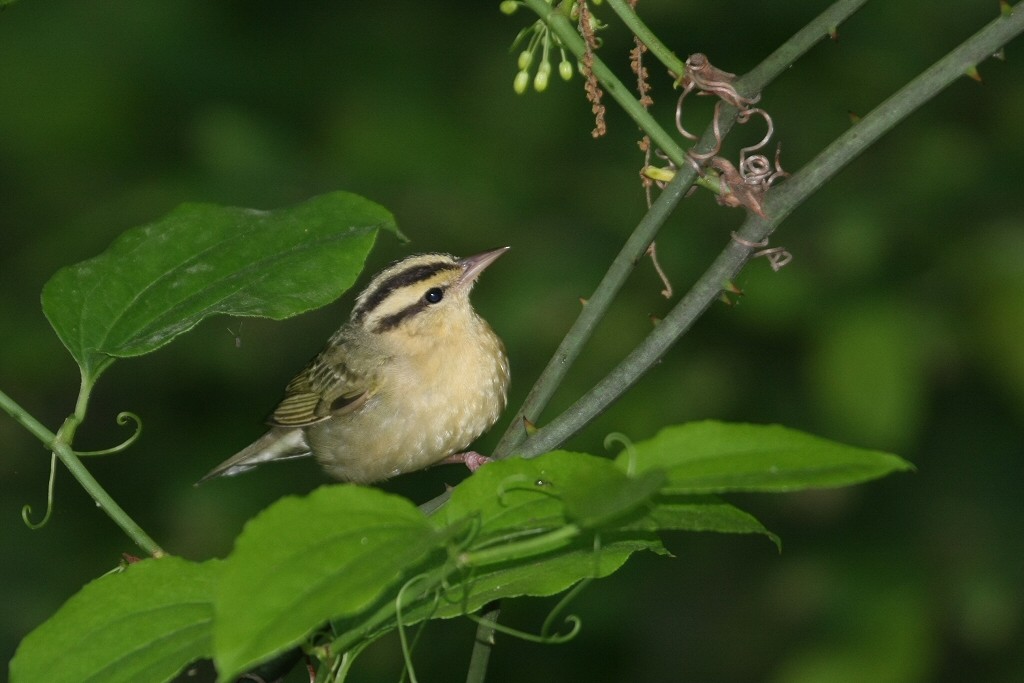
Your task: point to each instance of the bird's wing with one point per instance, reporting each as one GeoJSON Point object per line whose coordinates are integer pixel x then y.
{"type": "Point", "coordinates": [325, 388]}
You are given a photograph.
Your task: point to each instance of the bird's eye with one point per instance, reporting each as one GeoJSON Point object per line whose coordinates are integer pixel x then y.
{"type": "Point", "coordinates": [433, 295]}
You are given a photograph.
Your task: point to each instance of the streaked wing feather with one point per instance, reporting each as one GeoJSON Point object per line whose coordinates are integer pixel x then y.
{"type": "Point", "coordinates": [324, 389]}
{"type": "Point", "coordinates": [297, 410]}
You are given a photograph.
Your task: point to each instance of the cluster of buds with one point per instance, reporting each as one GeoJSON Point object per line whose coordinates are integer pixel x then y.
{"type": "Point", "coordinates": [538, 38]}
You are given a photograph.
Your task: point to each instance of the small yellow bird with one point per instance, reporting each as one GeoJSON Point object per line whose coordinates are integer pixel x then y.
{"type": "Point", "coordinates": [414, 376]}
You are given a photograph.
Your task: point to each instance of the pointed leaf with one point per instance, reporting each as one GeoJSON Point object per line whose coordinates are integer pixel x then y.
{"type": "Point", "coordinates": [160, 280]}
{"type": "Point", "coordinates": [306, 560]}
{"type": "Point", "coordinates": [146, 623]}
{"type": "Point", "coordinates": [705, 513]}
{"type": "Point", "coordinates": [712, 457]}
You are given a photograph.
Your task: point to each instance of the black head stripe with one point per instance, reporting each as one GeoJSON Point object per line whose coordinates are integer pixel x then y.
{"type": "Point", "coordinates": [404, 278]}
{"type": "Point", "coordinates": [394, 320]}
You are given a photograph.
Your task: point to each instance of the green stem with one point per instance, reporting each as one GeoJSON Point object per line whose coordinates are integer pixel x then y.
{"type": "Point", "coordinates": [26, 420]}
{"type": "Point", "coordinates": [483, 644]}
{"type": "Point", "coordinates": [595, 308]}
{"type": "Point", "coordinates": [59, 443]}
{"type": "Point", "coordinates": [639, 29]}
{"type": "Point", "coordinates": [767, 70]}
{"type": "Point", "coordinates": [889, 113]}
{"type": "Point", "coordinates": [803, 40]}
{"type": "Point", "coordinates": [538, 545]}
{"type": "Point", "coordinates": [778, 205]}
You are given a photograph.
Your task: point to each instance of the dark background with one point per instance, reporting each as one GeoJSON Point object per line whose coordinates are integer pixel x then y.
{"type": "Point", "coordinates": [898, 325]}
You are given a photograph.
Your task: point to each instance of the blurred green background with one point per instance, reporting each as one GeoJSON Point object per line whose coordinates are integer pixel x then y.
{"type": "Point", "coordinates": [898, 325]}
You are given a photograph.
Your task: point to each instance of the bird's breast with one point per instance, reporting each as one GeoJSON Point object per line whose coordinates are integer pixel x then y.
{"type": "Point", "coordinates": [426, 404]}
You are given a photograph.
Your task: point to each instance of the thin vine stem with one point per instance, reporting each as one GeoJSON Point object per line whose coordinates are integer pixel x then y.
{"type": "Point", "coordinates": [780, 202]}
{"type": "Point", "coordinates": [60, 444]}
{"type": "Point", "coordinates": [483, 644]}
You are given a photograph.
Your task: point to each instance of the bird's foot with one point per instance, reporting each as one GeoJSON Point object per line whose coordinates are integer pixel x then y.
{"type": "Point", "coordinates": [471, 459]}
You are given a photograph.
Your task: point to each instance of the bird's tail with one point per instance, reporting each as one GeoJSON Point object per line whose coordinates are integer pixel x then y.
{"type": "Point", "coordinates": [280, 443]}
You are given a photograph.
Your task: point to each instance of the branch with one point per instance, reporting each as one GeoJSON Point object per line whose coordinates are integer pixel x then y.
{"type": "Point", "coordinates": [595, 308]}
{"type": "Point", "coordinates": [778, 205]}
{"type": "Point", "coordinates": [597, 305]}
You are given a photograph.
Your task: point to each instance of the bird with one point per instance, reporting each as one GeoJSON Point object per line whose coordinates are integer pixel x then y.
{"type": "Point", "coordinates": [412, 378]}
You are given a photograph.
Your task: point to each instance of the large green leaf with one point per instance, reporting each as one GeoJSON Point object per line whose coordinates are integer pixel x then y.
{"type": "Point", "coordinates": [305, 560]}
{"type": "Point", "coordinates": [713, 457]}
{"type": "Point", "coordinates": [144, 624]}
{"type": "Point", "coordinates": [160, 280]}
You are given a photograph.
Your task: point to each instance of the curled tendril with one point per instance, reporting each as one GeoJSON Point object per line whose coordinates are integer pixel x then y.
{"type": "Point", "coordinates": [123, 418]}
{"type": "Point", "coordinates": [26, 511]}
{"type": "Point", "coordinates": [778, 257]}
{"type": "Point", "coordinates": [545, 636]}
{"type": "Point", "coordinates": [627, 445]}
{"type": "Point", "coordinates": [556, 639]}
{"type": "Point", "coordinates": [743, 117]}
{"type": "Point", "coordinates": [754, 169]}
{"type": "Point", "coordinates": [679, 118]}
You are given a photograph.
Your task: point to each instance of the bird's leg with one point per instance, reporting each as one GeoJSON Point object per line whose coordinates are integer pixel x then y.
{"type": "Point", "coordinates": [470, 459]}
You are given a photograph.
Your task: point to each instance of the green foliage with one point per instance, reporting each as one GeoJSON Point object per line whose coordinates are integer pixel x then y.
{"type": "Point", "coordinates": [367, 560]}
{"type": "Point", "coordinates": [714, 457]}
{"type": "Point", "coordinates": [323, 556]}
{"type": "Point", "coordinates": [144, 623]}
{"type": "Point", "coordinates": [158, 281]}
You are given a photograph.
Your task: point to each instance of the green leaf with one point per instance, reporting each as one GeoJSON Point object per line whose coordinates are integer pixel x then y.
{"type": "Point", "coordinates": [601, 495]}
{"type": "Point", "coordinates": [160, 280]}
{"type": "Point", "coordinates": [705, 513]}
{"type": "Point", "coordinates": [712, 457]}
{"type": "Point", "coordinates": [143, 624]}
{"type": "Point", "coordinates": [306, 560]}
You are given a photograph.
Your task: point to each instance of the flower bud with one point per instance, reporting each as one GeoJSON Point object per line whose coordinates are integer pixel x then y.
{"type": "Point", "coordinates": [525, 58]}
{"type": "Point", "coordinates": [519, 84]}
{"type": "Point", "coordinates": [565, 69]}
{"type": "Point", "coordinates": [540, 81]}
{"type": "Point", "coordinates": [508, 7]}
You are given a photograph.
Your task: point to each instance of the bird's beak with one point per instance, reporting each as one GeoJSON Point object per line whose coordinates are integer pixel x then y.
{"type": "Point", "coordinates": [474, 265]}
